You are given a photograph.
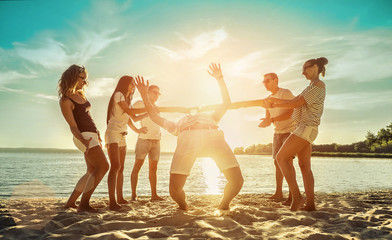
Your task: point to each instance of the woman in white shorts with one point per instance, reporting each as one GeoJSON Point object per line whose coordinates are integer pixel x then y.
{"type": "Point", "coordinates": [76, 111]}
{"type": "Point", "coordinates": [119, 115]}
{"type": "Point", "coordinates": [198, 136]}
{"type": "Point", "coordinates": [308, 108]}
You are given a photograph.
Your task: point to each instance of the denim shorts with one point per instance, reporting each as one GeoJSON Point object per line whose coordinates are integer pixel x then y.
{"type": "Point", "coordinates": [152, 147]}
{"type": "Point", "coordinates": [279, 139]}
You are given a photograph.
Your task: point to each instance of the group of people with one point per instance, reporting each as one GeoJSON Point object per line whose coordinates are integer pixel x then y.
{"type": "Point", "coordinates": [296, 121]}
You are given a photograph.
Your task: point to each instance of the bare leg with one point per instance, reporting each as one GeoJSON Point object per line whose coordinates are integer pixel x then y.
{"type": "Point", "coordinates": [176, 189]}
{"type": "Point", "coordinates": [304, 163]}
{"type": "Point", "coordinates": [279, 182]}
{"type": "Point", "coordinates": [284, 158]}
{"type": "Point", "coordinates": [120, 177]}
{"type": "Point", "coordinates": [232, 188]}
{"type": "Point", "coordinates": [114, 157]}
{"type": "Point", "coordinates": [71, 203]}
{"type": "Point", "coordinates": [135, 175]}
{"type": "Point", "coordinates": [97, 159]}
{"type": "Point", "coordinates": [152, 174]}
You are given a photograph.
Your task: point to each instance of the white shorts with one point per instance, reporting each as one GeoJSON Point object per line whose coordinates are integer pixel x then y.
{"type": "Point", "coordinates": [201, 143]}
{"type": "Point", "coordinates": [87, 135]}
{"type": "Point", "coordinates": [309, 133]}
{"type": "Point", "coordinates": [115, 137]}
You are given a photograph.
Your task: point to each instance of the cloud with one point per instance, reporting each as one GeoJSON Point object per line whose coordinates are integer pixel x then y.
{"type": "Point", "coordinates": [198, 46]}
{"type": "Point", "coordinates": [94, 42]}
{"type": "Point", "coordinates": [352, 101]}
{"type": "Point", "coordinates": [247, 66]}
{"type": "Point", "coordinates": [354, 56]}
{"type": "Point", "coordinates": [53, 54]}
{"type": "Point", "coordinates": [101, 87]}
{"type": "Point", "coordinates": [9, 76]}
{"type": "Point", "coordinates": [44, 96]}
{"type": "Point", "coordinates": [49, 53]}
{"type": "Point", "coordinates": [36, 95]}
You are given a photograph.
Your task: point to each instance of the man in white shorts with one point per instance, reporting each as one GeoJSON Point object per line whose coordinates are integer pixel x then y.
{"type": "Point", "coordinates": [198, 136]}
{"type": "Point", "coordinates": [147, 143]}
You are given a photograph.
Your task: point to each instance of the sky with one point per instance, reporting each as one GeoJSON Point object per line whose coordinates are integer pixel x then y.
{"type": "Point", "coordinates": [172, 43]}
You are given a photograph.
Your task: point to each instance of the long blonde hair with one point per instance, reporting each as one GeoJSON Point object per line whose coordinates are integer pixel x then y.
{"type": "Point", "coordinates": [69, 80]}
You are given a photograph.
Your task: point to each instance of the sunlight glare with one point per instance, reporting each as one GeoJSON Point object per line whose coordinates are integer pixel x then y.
{"type": "Point", "coordinates": [211, 176]}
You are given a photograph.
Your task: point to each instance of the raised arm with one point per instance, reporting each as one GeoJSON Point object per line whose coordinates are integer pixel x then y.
{"type": "Point", "coordinates": [216, 72]}
{"type": "Point", "coordinates": [143, 88]}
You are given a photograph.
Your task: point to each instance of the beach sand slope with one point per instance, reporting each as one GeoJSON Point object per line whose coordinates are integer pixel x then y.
{"type": "Point", "coordinates": [361, 215]}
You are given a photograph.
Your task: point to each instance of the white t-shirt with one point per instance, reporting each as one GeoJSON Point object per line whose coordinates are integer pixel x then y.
{"type": "Point", "coordinates": [190, 120]}
{"type": "Point", "coordinates": [154, 131]}
{"type": "Point", "coordinates": [287, 125]}
{"type": "Point", "coordinates": [119, 119]}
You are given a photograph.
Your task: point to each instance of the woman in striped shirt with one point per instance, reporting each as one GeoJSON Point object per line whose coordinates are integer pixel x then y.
{"type": "Point", "coordinates": [308, 108]}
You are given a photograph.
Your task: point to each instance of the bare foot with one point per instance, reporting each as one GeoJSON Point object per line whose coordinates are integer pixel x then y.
{"type": "Point", "coordinates": [156, 198]}
{"type": "Point", "coordinates": [223, 207]}
{"type": "Point", "coordinates": [114, 206]}
{"type": "Point", "coordinates": [122, 201]}
{"type": "Point", "coordinates": [134, 198]}
{"type": "Point", "coordinates": [287, 202]}
{"type": "Point", "coordinates": [87, 208]}
{"type": "Point", "coordinates": [309, 208]}
{"type": "Point", "coordinates": [73, 205]}
{"type": "Point", "coordinates": [276, 197]}
{"type": "Point", "coordinates": [184, 207]}
{"type": "Point", "coordinates": [297, 203]}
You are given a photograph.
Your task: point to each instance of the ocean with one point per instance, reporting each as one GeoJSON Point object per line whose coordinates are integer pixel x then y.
{"type": "Point", "coordinates": [54, 175]}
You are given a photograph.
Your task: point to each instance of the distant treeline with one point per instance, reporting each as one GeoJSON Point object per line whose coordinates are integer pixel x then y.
{"type": "Point", "coordinates": [380, 143]}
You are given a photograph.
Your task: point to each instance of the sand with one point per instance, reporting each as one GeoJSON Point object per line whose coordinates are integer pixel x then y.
{"type": "Point", "coordinates": [361, 215]}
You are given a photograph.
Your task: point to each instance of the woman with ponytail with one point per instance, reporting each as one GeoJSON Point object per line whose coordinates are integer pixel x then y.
{"type": "Point", "coordinates": [119, 115]}
{"type": "Point", "coordinates": [308, 108]}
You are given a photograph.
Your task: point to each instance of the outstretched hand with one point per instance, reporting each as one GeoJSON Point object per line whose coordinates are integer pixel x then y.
{"type": "Point", "coordinates": [142, 130]}
{"type": "Point", "coordinates": [142, 87]}
{"type": "Point", "coordinates": [216, 71]}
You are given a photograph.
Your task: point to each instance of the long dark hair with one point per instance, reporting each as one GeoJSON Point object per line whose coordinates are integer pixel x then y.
{"type": "Point", "coordinates": [320, 62]}
{"type": "Point", "coordinates": [122, 86]}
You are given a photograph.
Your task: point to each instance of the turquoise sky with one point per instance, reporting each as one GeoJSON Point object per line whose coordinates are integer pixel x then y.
{"type": "Point", "coordinates": [173, 42]}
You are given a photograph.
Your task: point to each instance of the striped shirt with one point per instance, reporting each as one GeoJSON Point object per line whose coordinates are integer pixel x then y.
{"type": "Point", "coordinates": [309, 114]}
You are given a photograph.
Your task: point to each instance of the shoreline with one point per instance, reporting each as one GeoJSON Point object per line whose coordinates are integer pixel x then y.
{"type": "Point", "coordinates": [350, 215]}
{"type": "Point", "coordinates": [315, 153]}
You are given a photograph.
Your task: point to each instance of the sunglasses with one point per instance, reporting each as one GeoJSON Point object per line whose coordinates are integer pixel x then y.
{"type": "Point", "coordinates": [305, 67]}
{"type": "Point", "coordinates": [156, 92]}
{"type": "Point", "coordinates": [84, 79]}
{"type": "Point", "coordinates": [82, 69]}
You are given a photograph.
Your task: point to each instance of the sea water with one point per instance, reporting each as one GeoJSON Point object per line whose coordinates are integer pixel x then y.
{"type": "Point", "coordinates": [42, 174]}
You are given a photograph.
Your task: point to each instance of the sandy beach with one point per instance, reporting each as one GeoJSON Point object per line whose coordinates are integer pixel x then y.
{"type": "Point", "coordinates": [360, 215]}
